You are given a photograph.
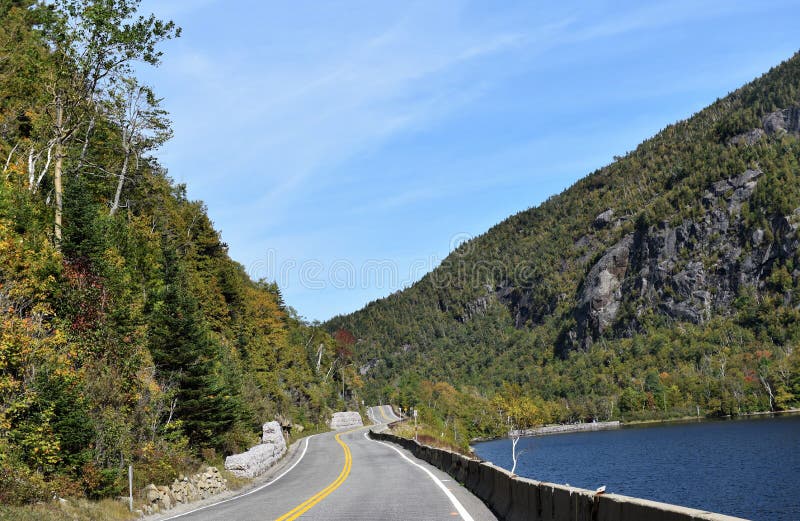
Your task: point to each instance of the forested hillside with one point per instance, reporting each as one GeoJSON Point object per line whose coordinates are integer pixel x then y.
{"type": "Point", "coordinates": [127, 334]}
{"type": "Point", "coordinates": [664, 284]}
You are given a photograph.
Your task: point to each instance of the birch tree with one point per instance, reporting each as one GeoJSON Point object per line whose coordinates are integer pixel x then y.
{"type": "Point", "coordinates": [93, 44]}
{"type": "Point", "coordinates": [518, 413]}
{"type": "Point", "coordinates": [142, 124]}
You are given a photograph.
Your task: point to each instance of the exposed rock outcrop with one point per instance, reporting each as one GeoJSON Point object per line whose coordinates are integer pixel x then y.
{"type": "Point", "coordinates": [602, 292]}
{"type": "Point", "coordinates": [686, 272]}
{"type": "Point", "coordinates": [778, 123]}
{"type": "Point", "coordinates": [782, 121]}
{"type": "Point", "coordinates": [345, 420]}
{"type": "Point", "coordinates": [371, 364]}
{"type": "Point", "coordinates": [604, 218]}
{"type": "Point", "coordinates": [750, 137]}
{"type": "Point", "coordinates": [258, 459]}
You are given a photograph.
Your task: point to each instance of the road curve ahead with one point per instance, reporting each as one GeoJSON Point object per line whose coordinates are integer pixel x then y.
{"type": "Point", "coordinates": [347, 476]}
{"type": "Point", "coordinates": [382, 414]}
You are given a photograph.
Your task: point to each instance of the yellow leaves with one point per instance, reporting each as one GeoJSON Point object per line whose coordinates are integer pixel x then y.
{"type": "Point", "coordinates": [521, 411]}
{"type": "Point", "coordinates": [39, 442]}
{"type": "Point", "coordinates": [8, 382]}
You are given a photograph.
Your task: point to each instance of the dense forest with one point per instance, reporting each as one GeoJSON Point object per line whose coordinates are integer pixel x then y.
{"type": "Point", "coordinates": [127, 334]}
{"type": "Point", "coordinates": [664, 284]}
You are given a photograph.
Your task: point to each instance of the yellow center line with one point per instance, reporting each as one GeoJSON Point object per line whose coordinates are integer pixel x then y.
{"type": "Point", "coordinates": [306, 505]}
{"type": "Point", "coordinates": [383, 413]}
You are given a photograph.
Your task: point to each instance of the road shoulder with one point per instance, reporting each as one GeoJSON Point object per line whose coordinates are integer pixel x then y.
{"type": "Point", "coordinates": [292, 456]}
{"type": "Point", "coordinates": [476, 508]}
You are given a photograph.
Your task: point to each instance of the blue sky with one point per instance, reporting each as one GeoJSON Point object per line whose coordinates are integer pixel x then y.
{"type": "Point", "coordinates": [344, 148]}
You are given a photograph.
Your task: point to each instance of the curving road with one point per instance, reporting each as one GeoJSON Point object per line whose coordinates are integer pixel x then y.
{"type": "Point", "coordinates": [382, 414]}
{"type": "Point", "coordinates": [347, 476]}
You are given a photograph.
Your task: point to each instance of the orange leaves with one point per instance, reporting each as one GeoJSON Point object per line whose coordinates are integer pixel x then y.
{"type": "Point", "coordinates": [344, 344]}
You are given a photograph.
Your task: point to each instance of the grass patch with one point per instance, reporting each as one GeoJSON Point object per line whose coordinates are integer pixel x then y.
{"type": "Point", "coordinates": [429, 437]}
{"type": "Point", "coordinates": [71, 510]}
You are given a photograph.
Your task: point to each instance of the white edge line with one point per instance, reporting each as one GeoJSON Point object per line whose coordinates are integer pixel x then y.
{"type": "Point", "coordinates": [253, 491]}
{"type": "Point", "coordinates": [456, 503]}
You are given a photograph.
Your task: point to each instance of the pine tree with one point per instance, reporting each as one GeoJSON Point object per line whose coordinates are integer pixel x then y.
{"type": "Point", "coordinates": [186, 356]}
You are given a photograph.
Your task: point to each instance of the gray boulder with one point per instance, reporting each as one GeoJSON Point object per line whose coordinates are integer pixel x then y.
{"type": "Point", "coordinates": [258, 459]}
{"type": "Point", "coordinates": [346, 420]}
{"type": "Point", "coordinates": [271, 432]}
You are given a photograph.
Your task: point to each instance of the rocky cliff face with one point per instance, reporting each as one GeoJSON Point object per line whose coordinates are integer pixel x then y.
{"type": "Point", "coordinates": [782, 121]}
{"type": "Point", "coordinates": [687, 272]}
{"type": "Point", "coordinates": [694, 231]}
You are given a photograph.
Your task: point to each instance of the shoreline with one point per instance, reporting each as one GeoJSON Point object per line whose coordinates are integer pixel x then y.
{"type": "Point", "coordinates": [621, 424]}
{"type": "Point", "coordinates": [687, 419]}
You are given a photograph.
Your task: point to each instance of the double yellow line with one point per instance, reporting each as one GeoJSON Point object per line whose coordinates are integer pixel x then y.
{"type": "Point", "coordinates": [383, 413]}
{"type": "Point", "coordinates": [306, 505]}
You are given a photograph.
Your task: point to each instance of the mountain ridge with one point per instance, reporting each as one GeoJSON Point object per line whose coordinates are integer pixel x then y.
{"type": "Point", "coordinates": [695, 226]}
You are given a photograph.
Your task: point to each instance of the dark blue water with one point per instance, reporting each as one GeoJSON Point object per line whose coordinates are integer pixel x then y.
{"type": "Point", "coordinates": [748, 468]}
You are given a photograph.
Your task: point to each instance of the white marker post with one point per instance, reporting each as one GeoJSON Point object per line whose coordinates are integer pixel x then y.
{"type": "Point", "coordinates": [130, 487]}
{"type": "Point", "coordinates": [415, 425]}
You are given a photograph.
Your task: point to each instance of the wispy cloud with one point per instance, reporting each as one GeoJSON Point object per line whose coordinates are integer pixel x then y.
{"type": "Point", "coordinates": [297, 121]}
{"type": "Point", "coordinates": [308, 119]}
{"type": "Point", "coordinates": [653, 16]}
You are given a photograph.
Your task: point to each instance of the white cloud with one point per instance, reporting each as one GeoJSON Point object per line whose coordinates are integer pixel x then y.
{"type": "Point", "coordinates": [293, 120]}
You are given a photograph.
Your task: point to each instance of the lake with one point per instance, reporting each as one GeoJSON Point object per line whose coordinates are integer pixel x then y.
{"type": "Point", "coordinates": [745, 467]}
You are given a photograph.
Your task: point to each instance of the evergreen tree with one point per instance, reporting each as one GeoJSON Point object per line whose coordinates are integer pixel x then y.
{"type": "Point", "coordinates": [186, 356]}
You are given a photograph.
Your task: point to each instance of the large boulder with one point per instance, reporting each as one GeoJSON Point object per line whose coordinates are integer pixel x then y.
{"type": "Point", "coordinates": [258, 459]}
{"type": "Point", "coordinates": [604, 219]}
{"type": "Point", "coordinates": [271, 432]}
{"type": "Point", "coordinates": [346, 420]}
{"type": "Point", "coordinates": [254, 462]}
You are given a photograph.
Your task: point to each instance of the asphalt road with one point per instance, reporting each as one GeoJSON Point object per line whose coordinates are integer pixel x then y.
{"type": "Point", "coordinates": [346, 476]}
{"type": "Point", "coordinates": [382, 414]}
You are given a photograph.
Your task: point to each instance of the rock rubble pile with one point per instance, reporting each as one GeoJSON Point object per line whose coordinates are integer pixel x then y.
{"type": "Point", "coordinates": [183, 490]}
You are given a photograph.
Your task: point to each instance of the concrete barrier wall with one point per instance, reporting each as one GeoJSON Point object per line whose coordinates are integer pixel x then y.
{"type": "Point", "coordinates": [512, 498]}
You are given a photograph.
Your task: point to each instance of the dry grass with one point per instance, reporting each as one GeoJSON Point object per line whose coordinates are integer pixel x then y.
{"type": "Point", "coordinates": [426, 436]}
{"type": "Point", "coordinates": [234, 482]}
{"type": "Point", "coordinates": [71, 510]}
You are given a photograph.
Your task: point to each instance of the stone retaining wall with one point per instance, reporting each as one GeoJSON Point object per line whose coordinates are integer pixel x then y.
{"type": "Point", "coordinates": [183, 490]}
{"type": "Point", "coordinates": [512, 498]}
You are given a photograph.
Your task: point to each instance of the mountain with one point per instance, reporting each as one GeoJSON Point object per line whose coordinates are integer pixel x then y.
{"type": "Point", "coordinates": [665, 283]}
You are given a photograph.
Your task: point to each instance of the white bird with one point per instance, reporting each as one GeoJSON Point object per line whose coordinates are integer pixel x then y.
{"type": "Point", "coordinates": [600, 490]}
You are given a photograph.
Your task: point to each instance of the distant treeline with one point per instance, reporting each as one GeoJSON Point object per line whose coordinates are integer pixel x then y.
{"type": "Point", "coordinates": [651, 288]}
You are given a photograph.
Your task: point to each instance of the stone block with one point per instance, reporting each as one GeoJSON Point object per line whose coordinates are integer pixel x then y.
{"type": "Point", "coordinates": [346, 420]}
